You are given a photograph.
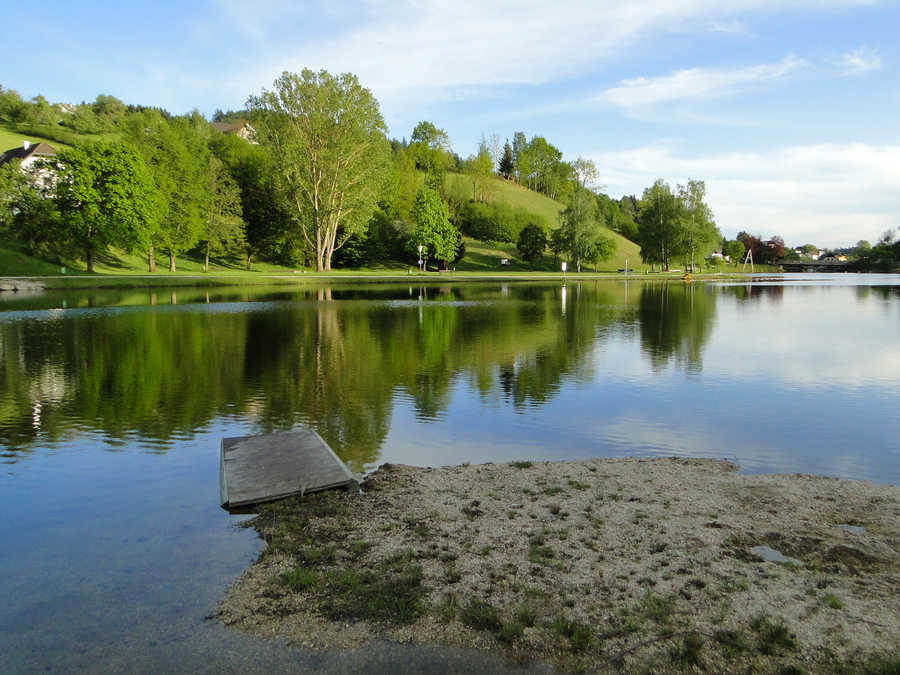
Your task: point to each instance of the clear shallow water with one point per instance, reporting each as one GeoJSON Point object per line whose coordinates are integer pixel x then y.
{"type": "Point", "coordinates": [112, 406]}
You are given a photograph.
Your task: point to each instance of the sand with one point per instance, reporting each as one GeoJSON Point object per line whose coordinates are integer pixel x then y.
{"type": "Point", "coordinates": [589, 565]}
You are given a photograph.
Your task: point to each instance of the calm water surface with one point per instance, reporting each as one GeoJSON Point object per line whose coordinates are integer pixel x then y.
{"type": "Point", "coordinates": [112, 406]}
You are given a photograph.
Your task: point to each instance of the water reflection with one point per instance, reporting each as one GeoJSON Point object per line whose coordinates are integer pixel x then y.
{"type": "Point", "coordinates": [158, 367]}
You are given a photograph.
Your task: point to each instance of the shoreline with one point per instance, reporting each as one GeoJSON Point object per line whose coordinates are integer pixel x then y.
{"type": "Point", "coordinates": [594, 564]}
{"type": "Point", "coordinates": [12, 284]}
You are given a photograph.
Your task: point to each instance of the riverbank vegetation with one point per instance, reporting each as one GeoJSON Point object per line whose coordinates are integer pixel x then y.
{"type": "Point", "coordinates": [306, 178]}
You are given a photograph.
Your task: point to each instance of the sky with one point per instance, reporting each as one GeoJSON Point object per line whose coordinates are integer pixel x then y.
{"type": "Point", "coordinates": [787, 109]}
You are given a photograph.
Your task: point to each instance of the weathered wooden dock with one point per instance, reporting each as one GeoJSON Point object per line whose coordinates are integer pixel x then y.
{"type": "Point", "coordinates": [254, 469]}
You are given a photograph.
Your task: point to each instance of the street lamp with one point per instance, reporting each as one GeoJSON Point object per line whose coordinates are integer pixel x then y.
{"type": "Point", "coordinates": [420, 257]}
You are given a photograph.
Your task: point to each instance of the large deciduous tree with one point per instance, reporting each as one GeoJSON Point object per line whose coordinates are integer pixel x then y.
{"type": "Point", "coordinates": [699, 232]}
{"type": "Point", "coordinates": [328, 141]}
{"type": "Point", "coordinates": [433, 229]}
{"type": "Point", "coordinates": [581, 232]}
{"type": "Point", "coordinates": [659, 225]}
{"type": "Point", "coordinates": [224, 226]}
{"type": "Point", "coordinates": [105, 196]}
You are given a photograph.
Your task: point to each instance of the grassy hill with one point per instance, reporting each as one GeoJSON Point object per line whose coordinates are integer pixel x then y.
{"type": "Point", "coordinates": [481, 257]}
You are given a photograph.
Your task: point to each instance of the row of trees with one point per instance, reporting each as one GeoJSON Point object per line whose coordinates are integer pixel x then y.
{"type": "Point", "coordinates": [323, 186]}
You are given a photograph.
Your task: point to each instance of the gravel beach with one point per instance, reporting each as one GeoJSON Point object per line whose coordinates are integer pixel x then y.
{"type": "Point", "coordinates": [607, 564]}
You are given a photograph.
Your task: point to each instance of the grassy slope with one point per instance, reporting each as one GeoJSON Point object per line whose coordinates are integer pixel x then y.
{"type": "Point", "coordinates": [482, 257]}
{"type": "Point", "coordinates": [13, 139]}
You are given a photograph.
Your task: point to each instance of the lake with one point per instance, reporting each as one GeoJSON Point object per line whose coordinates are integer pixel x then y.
{"type": "Point", "coordinates": [113, 404]}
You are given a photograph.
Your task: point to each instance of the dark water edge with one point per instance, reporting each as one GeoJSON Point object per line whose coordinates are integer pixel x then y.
{"type": "Point", "coordinates": [112, 406]}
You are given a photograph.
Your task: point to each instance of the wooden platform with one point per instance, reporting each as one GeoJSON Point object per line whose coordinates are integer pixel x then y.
{"type": "Point", "coordinates": [254, 469]}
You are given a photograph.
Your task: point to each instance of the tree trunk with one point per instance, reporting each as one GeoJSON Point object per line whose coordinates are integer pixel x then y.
{"type": "Point", "coordinates": [151, 260]}
{"type": "Point", "coordinates": [206, 259]}
{"type": "Point", "coordinates": [248, 260]}
{"type": "Point", "coordinates": [89, 258]}
{"type": "Point", "coordinates": [171, 261]}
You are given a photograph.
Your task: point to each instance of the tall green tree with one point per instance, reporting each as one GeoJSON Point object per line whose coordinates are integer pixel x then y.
{"type": "Point", "coordinates": [480, 169]}
{"type": "Point", "coordinates": [507, 166]}
{"type": "Point", "coordinates": [105, 196]}
{"type": "Point", "coordinates": [430, 147]}
{"type": "Point", "coordinates": [328, 141]}
{"type": "Point", "coordinates": [660, 219]}
{"type": "Point", "coordinates": [699, 232]}
{"type": "Point", "coordinates": [176, 151]}
{"type": "Point", "coordinates": [520, 142]}
{"type": "Point", "coordinates": [433, 229]}
{"type": "Point", "coordinates": [581, 230]}
{"type": "Point", "coordinates": [224, 226]}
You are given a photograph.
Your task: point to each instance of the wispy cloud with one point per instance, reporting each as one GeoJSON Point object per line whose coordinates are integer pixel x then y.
{"type": "Point", "coordinates": [423, 50]}
{"type": "Point", "coordinates": [830, 194]}
{"type": "Point", "coordinates": [698, 83]}
{"type": "Point", "coordinates": [859, 61]}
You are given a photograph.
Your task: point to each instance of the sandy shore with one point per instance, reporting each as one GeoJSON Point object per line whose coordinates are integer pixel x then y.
{"type": "Point", "coordinates": [597, 565]}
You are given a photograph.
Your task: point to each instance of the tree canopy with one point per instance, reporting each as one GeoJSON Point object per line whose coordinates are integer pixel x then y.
{"type": "Point", "coordinates": [328, 141]}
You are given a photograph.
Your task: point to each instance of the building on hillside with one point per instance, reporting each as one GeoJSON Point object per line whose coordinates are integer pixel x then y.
{"type": "Point", "coordinates": [241, 129]}
{"type": "Point", "coordinates": [42, 177]}
{"type": "Point", "coordinates": [29, 153]}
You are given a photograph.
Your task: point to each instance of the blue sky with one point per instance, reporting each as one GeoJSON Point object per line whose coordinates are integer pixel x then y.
{"type": "Point", "coordinates": [787, 109]}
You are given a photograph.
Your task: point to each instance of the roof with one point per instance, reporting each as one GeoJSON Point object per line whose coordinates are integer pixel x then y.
{"type": "Point", "coordinates": [40, 149]}
{"type": "Point", "coordinates": [228, 127]}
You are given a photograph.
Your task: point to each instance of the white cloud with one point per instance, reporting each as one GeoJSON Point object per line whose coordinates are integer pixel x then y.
{"type": "Point", "coordinates": [860, 61]}
{"type": "Point", "coordinates": [423, 50]}
{"type": "Point", "coordinates": [828, 194]}
{"type": "Point", "coordinates": [698, 83]}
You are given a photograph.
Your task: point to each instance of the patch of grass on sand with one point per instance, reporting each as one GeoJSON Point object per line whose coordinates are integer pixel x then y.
{"type": "Point", "coordinates": [772, 634]}
{"type": "Point", "coordinates": [481, 615]}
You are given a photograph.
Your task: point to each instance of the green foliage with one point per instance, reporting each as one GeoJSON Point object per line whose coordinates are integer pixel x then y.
{"type": "Point", "coordinates": [580, 233]}
{"type": "Point", "coordinates": [507, 166]}
{"type": "Point", "coordinates": [735, 250]}
{"type": "Point", "coordinates": [300, 578]}
{"type": "Point", "coordinates": [105, 196]}
{"type": "Point", "coordinates": [497, 221]}
{"type": "Point", "coordinates": [699, 233]}
{"type": "Point", "coordinates": [224, 226]}
{"type": "Point", "coordinates": [392, 594]}
{"type": "Point", "coordinates": [660, 224]}
{"type": "Point", "coordinates": [433, 230]}
{"type": "Point", "coordinates": [539, 166]}
{"type": "Point", "coordinates": [326, 137]}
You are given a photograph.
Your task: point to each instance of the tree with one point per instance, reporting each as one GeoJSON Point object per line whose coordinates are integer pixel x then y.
{"type": "Point", "coordinates": [532, 242]}
{"type": "Point", "coordinates": [581, 230]}
{"type": "Point", "coordinates": [585, 172]}
{"type": "Point", "coordinates": [224, 226]}
{"type": "Point", "coordinates": [659, 225]}
{"type": "Point", "coordinates": [507, 166]}
{"type": "Point", "coordinates": [327, 139]}
{"type": "Point", "coordinates": [433, 229]}
{"type": "Point", "coordinates": [105, 196]}
{"type": "Point", "coordinates": [699, 232]}
{"type": "Point", "coordinates": [177, 153]}
{"type": "Point", "coordinates": [518, 147]}
{"type": "Point", "coordinates": [735, 250]}
{"type": "Point", "coordinates": [480, 169]}
{"type": "Point", "coordinates": [430, 147]}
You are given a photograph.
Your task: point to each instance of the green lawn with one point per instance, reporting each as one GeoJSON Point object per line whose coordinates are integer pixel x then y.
{"type": "Point", "coordinates": [13, 139]}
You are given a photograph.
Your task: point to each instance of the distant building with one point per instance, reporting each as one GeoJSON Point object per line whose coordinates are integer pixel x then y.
{"type": "Point", "coordinates": [29, 154]}
{"type": "Point", "coordinates": [240, 129]}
